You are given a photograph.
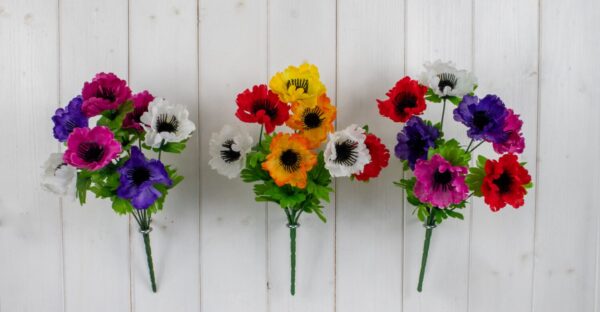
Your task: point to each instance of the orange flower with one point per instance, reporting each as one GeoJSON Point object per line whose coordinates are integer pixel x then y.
{"type": "Point", "coordinates": [313, 122]}
{"type": "Point", "coordinates": [290, 160]}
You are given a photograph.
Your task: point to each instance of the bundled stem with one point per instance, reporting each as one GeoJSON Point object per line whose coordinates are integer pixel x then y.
{"type": "Point", "coordinates": [293, 215]}
{"type": "Point", "coordinates": [143, 220]}
{"type": "Point", "coordinates": [429, 226]}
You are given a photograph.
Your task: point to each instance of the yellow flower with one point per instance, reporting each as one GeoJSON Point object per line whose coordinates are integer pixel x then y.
{"type": "Point", "coordinates": [313, 122]}
{"type": "Point", "coordinates": [290, 160]}
{"type": "Point", "coordinates": [298, 83]}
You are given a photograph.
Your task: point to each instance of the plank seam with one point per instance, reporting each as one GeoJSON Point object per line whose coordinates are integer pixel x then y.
{"type": "Point", "coordinates": [537, 153]}
{"type": "Point", "coordinates": [60, 201]}
{"type": "Point", "coordinates": [335, 208]}
{"type": "Point", "coordinates": [198, 138]}
{"type": "Point", "coordinates": [267, 235]}
{"type": "Point", "coordinates": [470, 254]}
{"type": "Point", "coordinates": [131, 251]}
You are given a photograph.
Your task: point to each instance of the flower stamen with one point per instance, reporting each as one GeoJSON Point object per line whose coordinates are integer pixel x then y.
{"type": "Point", "coordinates": [228, 154]}
{"type": "Point", "coordinates": [298, 83]}
{"type": "Point", "coordinates": [290, 160]}
{"type": "Point", "coordinates": [447, 80]}
{"type": "Point", "coordinates": [90, 151]}
{"type": "Point", "coordinates": [167, 123]}
{"type": "Point", "coordinates": [346, 152]}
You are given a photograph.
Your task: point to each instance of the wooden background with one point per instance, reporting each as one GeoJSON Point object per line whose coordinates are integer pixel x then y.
{"type": "Point", "coordinates": [215, 248]}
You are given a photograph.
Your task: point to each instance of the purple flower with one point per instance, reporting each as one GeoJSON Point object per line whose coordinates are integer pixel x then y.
{"type": "Point", "coordinates": [485, 117]}
{"type": "Point", "coordinates": [68, 118]}
{"type": "Point", "coordinates": [415, 140]}
{"type": "Point", "coordinates": [138, 177]}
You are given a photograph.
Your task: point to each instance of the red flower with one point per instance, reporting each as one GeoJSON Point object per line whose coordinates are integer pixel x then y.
{"type": "Point", "coordinates": [262, 106]}
{"type": "Point", "coordinates": [140, 106]}
{"type": "Point", "coordinates": [504, 182]}
{"type": "Point", "coordinates": [405, 99]}
{"type": "Point", "coordinates": [380, 156]}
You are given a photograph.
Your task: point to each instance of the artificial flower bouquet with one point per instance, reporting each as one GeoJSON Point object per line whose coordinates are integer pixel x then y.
{"type": "Point", "coordinates": [288, 168]}
{"type": "Point", "coordinates": [108, 159]}
{"type": "Point", "coordinates": [442, 176]}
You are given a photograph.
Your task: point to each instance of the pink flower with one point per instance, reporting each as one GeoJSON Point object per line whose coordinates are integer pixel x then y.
{"type": "Point", "coordinates": [515, 142]}
{"type": "Point", "coordinates": [140, 106]}
{"type": "Point", "coordinates": [91, 149]}
{"type": "Point", "coordinates": [439, 183]}
{"type": "Point", "coordinates": [104, 92]}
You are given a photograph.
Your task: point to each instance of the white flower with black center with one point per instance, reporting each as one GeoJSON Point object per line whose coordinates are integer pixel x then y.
{"type": "Point", "coordinates": [166, 122]}
{"type": "Point", "coordinates": [346, 152]}
{"type": "Point", "coordinates": [228, 149]}
{"type": "Point", "coordinates": [446, 81]}
{"type": "Point", "coordinates": [58, 177]}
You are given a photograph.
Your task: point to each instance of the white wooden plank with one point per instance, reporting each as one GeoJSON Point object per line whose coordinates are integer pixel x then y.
{"type": "Point", "coordinates": [166, 65]}
{"type": "Point", "coordinates": [568, 178]}
{"type": "Point", "coordinates": [30, 219]}
{"type": "Point", "coordinates": [94, 38]}
{"type": "Point", "coordinates": [438, 30]}
{"type": "Point", "coordinates": [233, 57]}
{"type": "Point", "coordinates": [298, 32]}
{"type": "Point", "coordinates": [506, 63]}
{"type": "Point", "coordinates": [369, 215]}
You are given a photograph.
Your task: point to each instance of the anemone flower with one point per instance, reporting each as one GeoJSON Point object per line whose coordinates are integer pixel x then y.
{"type": "Point", "coordinates": [405, 99]}
{"type": "Point", "coordinates": [415, 140]}
{"type": "Point", "coordinates": [58, 177]}
{"type": "Point", "coordinates": [228, 149]}
{"type": "Point", "coordinates": [260, 105]}
{"type": "Point", "coordinates": [346, 153]}
{"type": "Point", "coordinates": [504, 182]}
{"type": "Point", "coordinates": [380, 156]}
{"type": "Point", "coordinates": [138, 177]}
{"type": "Point", "coordinates": [313, 122]}
{"type": "Point", "coordinates": [484, 118]}
{"type": "Point", "coordinates": [91, 149]}
{"type": "Point", "coordinates": [439, 183]}
{"type": "Point", "coordinates": [290, 160]}
{"type": "Point", "coordinates": [515, 142]}
{"type": "Point", "coordinates": [165, 122]}
{"type": "Point", "coordinates": [140, 106]}
{"type": "Point", "coordinates": [445, 80]}
{"type": "Point", "coordinates": [68, 118]}
{"type": "Point", "coordinates": [298, 83]}
{"type": "Point", "coordinates": [105, 92]}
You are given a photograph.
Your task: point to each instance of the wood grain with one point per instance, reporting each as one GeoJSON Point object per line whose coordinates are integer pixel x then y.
{"type": "Point", "coordinates": [30, 219]}
{"type": "Point", "coordinates": [369, 223]}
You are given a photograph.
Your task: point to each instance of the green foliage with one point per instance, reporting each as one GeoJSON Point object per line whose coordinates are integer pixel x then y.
{"type": "Point", "coordinates": [114, 119]}
{"type": "Point", "coordinates": [475, 177]}
{"type": "Point", "coordinates": [452, 152]}
{"type": "Point", "coordinates": [433, 97]}
{"type": "Point", "coordinates": [288, 197]}
{"type": "Point", "coordinates": [168, 147]}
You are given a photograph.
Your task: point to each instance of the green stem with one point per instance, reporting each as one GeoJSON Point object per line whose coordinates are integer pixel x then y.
{"type": "Point", "coordinates": [149, 259]}
{"type": "Point", "coordinates": [469, 146]}
{"type": "Point", "coordinates": [429, 225]}
{"type": "Point", "coordinates": [293, 259]}
{"type": "Point", "coordinates": [162, 143]}
{"type": "Point", "coordinates": [475, 147]}
{"type": "Point", "coordinates": [443, 112]}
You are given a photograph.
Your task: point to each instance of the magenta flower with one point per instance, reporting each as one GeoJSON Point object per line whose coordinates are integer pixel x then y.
{"type": "Point", "coordinates": [104, 92]}
{"type": "Point", "coordinates": [515, 142]}
{"type": "Point", "coordinates": [439, 183]}
{"type": "Point", "coordinates": [91, 149]}
{"type": "Point", "coordinates": [140, 106]}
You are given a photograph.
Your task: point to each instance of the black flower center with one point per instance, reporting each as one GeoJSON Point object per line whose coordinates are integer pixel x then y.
{"type": "Point", "coordinates": [447, 80]}
{"type": "Point", "coordinates": [312, 118]}
{"type": "Point", "coordinates": [346, 152]}
{"type": "Point", "coordinates": [70, 124]}
{"type": "Point", "coordinates": [106, 93]}
{"type": "Point", "coordinates": [417, 145]}
{"type": "Point", "coordinates": [227, 154]}
{"type": "Point", "coordinates": [167, 123]}
{"type": "Point", "coordinates": [266, 106]}
{"type": "Point", "coordinates": [290, 160]}
{"type": "Point", "coordinates": [403, 101]}
{"type": "Point", "coordinates": [480, 120]}
{"type": "Point", "coordinates": [90, 151]}
{"type": "Point", "coordinates": [442, 180]}
{"type": "Point", "coordinates": [138, 175]}
{"type": "Point", "coordinates": [503, 182]}
{"type": "Point", "coordinates": [298, 83]}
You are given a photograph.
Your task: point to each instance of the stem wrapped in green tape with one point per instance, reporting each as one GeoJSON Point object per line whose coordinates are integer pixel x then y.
{"type": "Point", "coordinates": [429, 226]}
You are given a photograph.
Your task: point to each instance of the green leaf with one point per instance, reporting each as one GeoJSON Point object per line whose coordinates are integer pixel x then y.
{"type": "Point", "coordinates": [475, 180]}
{"type": "Point", "coordinates": [454, 214]}
{"type": "Point", "coordinates": [82, 184]}
{"type": "Point", "coordinates": [528, 185]}
{"type": "Point", "coordinates": [481, 160]}
{"type": "Point", "coordinates": [432, 97]}
{"type": "Point", "coordinates": [121, 206]}
{"type": "Point", "coordinates": [320, 214]}
{"type": "Point", "coordinates": [173, 147]}
{"type": "Point", "coordinates": [452, 152]}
